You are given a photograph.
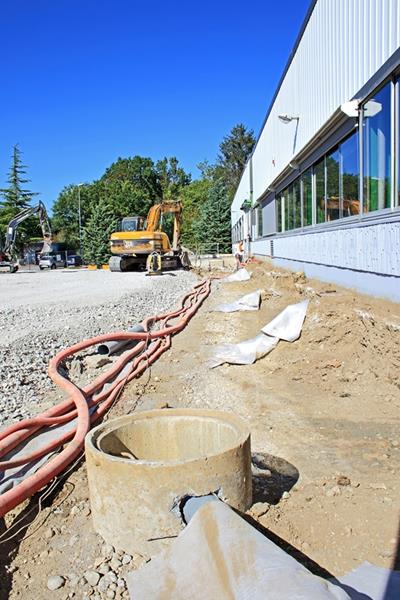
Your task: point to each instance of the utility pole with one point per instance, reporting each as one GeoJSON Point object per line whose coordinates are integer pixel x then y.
{"type": "Point", "coordinates": [80, 218]}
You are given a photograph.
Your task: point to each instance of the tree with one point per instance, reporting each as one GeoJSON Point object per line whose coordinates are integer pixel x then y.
{"type": "Point", "coordinates": [101, 223]}
{"type": "Point", "coordinates": [138, 171]}
{"type": "Point", "coordinates": [213, 227]}
{"type": "Point", "coordinates": [171, 177]}
{"type": "Point", "coordinates": [16, 198]}
{"type": "Point", "coordinates": [235, 150]}
{"type": "Point", "coordinates": [193, 197]}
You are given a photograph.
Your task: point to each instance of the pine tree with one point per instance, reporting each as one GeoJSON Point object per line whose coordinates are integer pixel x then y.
{"type": "Point", "coordinates": [102, 222]}
{"type": "Point", "coordinates": [16, 198]}
{"type": "Point", "coordinates": [213, 228]}
{"type": "Point", "coordinates": [235, 150]}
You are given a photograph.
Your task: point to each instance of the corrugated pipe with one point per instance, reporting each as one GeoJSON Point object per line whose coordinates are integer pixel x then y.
{"type": "Point", "coordinates": [109, 348]}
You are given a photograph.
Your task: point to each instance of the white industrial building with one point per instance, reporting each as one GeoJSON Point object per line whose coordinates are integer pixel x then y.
{"type": "Point", "coordinates": [320, 192]}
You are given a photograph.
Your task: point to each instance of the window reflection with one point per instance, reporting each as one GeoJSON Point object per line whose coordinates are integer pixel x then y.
{"type": "Point", "coordinates": [350, 176]}
{"type": "Point", "coordinates": [332, 186]}
{"type": "Point", "coordinates": [319, 170]}
{"type": "Point", "coordinates": [376, 128]}
{"type": "Point", "coordinates": [306, 179]}
{"type": "Point", "coordinates": [279, 215]}
{"type": "Point", "coordinates": [296, 204]}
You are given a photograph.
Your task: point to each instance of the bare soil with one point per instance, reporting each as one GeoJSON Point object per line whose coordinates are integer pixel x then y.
{"type": "Point", "coordinates": [324, 417]}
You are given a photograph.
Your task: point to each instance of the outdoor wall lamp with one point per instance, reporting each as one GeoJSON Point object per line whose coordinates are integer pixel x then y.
{"type": "Point", "coordinates": [287, 118]}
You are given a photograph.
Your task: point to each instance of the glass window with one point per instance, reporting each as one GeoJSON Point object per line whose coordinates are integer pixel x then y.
{"type": "Point", "coordinates": [288, 209]}
{"type": "Point", "coordinates": [376, 147]}
{"type": "Point", "coordinates": [332, 186]}
{"type": "Point", "coordinates": [350, 171]}
{"type": "Point", "coordinates": [278, 204]}
{"type": "Point", "coordinates": [290, 201]}
{"type": "Point", "coordinates": [319, 170]}
{"type": "Point", "coordinates": [306, 180]}
{"type": "Point", "coordinates": [259, 222]}
{"type": "Point", "coordinates": [296, 203]}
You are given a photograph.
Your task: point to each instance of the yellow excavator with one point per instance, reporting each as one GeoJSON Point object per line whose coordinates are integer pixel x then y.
{"type": "Point", "coordinates": [139, 239]}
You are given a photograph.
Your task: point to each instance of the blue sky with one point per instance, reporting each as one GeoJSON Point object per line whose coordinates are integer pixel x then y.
{"type": "Point", "coordinates": [86, 81]}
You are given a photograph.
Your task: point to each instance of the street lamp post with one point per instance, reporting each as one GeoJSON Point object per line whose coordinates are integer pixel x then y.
{"type": "Point", "coordinates": [80, 218]}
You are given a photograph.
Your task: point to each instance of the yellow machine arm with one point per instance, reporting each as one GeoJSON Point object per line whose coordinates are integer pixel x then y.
{"type": "Point", "coordinates": [154, 217]}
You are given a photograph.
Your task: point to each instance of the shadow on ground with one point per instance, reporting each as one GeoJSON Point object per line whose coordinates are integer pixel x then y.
{"type": "Point", "coordinates": [272, 476]}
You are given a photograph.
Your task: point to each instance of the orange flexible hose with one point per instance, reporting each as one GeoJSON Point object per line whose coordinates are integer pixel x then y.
{"type": "Point", "coordinates": [79, 401]}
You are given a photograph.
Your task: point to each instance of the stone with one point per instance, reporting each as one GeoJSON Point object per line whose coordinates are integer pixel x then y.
{"type": "Point", "coordinates": [103, 584]}
{"type": "Point", "coordinates": [110, 594]}
{"type": "Point", "coordinates": [107, 550]}
{"type": "Point", "coordinates": [48, 534]}
{"type": "Point", "coordinates": [126, 559]}
{"type": "Point", "coordinates": [115, 564]}
{"type": "Point", "coordinates": [121, 583]}
{"type": "Point", "coordinates": [73, 579]}
{"type": "Point", "coordinates": [138, 561]}
{"type": "Point", "coordinates": [54, 582]}
{"type": "Point", "coordinates": [259, 508]}
{"type": "Point", "coordinates": [285, 495]}
{"type": "Point", "coordinates": [97, 361]}
{"type": "Point", "coordinates": [92, 577]}
{"type": "Point", "coordinates": [104, 568]}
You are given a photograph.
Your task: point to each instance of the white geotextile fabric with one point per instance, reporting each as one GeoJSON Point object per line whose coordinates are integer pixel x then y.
{"type": "Point", "coordinates": [220, 556]}
{"type": "Point", "coordinates": [288, 324]}
{"type": "Point", "coordinates": [243, 353]}
{"type": "Point", "coordinates": [248, 302]}
{"type": "Point", "coordinates": [239, 275]}
{"type": "Point", "coordinates": [369, 582]}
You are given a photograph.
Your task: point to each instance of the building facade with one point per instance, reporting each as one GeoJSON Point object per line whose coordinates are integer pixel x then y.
{"type": "Point", "coordinates": [321, 191]}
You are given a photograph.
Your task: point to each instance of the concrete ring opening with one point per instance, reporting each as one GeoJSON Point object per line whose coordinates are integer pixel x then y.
{"type": "Point", "coordinates": [140, 467]}
{"type": "Point", "coordinates": [171, 438]}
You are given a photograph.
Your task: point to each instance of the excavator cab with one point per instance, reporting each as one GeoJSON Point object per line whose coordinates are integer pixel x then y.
{"type": "Point", "coordinates": [132, 224]}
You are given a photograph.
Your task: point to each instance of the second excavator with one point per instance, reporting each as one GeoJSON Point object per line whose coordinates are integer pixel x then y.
{"type": "Point", "coordinates": [8, 257]}
{"type": "Point", "coordinates": [139, 238]}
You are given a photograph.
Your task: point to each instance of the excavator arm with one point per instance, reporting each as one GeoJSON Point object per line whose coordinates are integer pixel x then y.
{"type": "Point", "coordinates": [154, 218]}
{"type": "Point", "coordinates": [11, 233]}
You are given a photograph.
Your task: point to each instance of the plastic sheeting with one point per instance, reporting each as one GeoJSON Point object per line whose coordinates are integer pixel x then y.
{"type": "Point", "coordinates": [288, 324]}
{"type": "Point", "coordinates": [369, 582]}
{"type": "Point", "coordinates": [219, 555]}
{"type": "Point", "coordinates": [240, 275]}
{"type": "Point", "coordinates": [244, 353]}
{"type": "Point", "coordinates": [248, 302]}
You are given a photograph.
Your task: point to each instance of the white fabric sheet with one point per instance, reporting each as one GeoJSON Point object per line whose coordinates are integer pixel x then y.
{"type": "Point", "coordinates": [248, 302]}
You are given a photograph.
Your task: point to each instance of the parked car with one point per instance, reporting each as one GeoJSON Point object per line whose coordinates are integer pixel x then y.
{"type": "Point", "coordinates": [50, 261]}
{"type": "Point", "coordinates": [74, 260]}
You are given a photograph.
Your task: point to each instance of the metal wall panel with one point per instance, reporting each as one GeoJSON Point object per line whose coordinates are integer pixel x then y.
{"type": "Point", "coordinates": [242, 193]}
{"type": "Point", "coordinates": [373, 249]}
{"type": "Point", "coordinates": [344, 44]}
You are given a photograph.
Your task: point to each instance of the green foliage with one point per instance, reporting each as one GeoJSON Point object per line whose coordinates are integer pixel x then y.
{"type": "Point", "coordinates": [15, 199]}
{"type": "Point", "coordinates": [130, 186]}
{"type": "Point", "coordinates": [235, 150]}
{"type": "Point", "coordinates": [96, 238]}
{"type": "Point", "coordinates": [171, 177]}
{"type": "Point", "coordinates": [212, 229]}
{"type": "Point", "coordinates": [193, 196]}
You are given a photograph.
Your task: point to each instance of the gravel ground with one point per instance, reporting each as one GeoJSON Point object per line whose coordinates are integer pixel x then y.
{"type": "Point", "coordinates": [43, 312]}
